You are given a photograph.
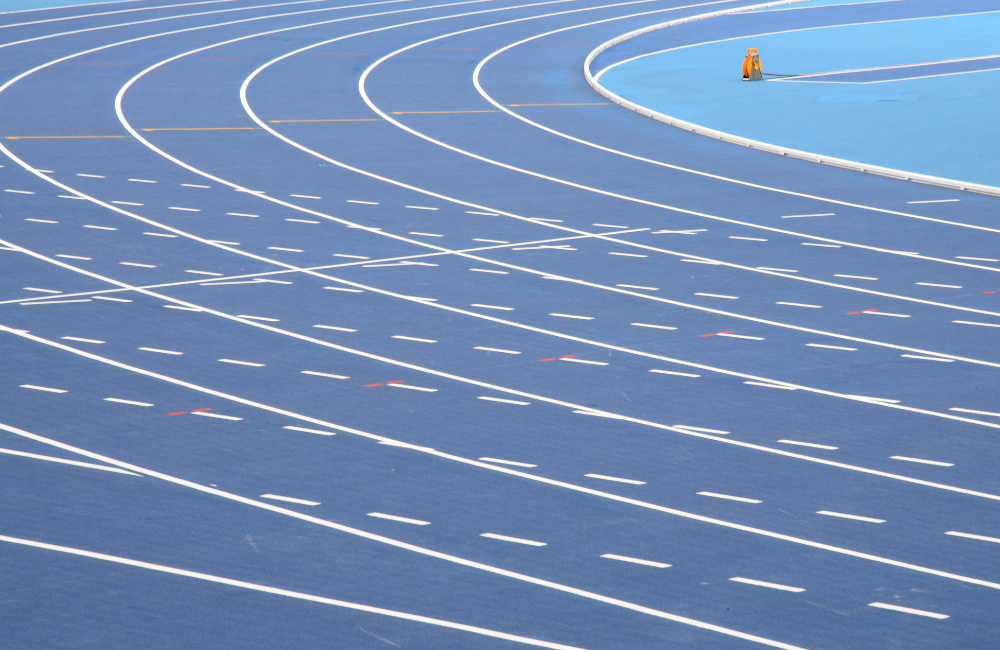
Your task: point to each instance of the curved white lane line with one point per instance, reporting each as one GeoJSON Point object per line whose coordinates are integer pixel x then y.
{"type": "Point", "coordinates": [593, 80]}
{"type": "Point", "coordinates": [288, 593]}
{"type": "Point", "coordinates": [104, 13]}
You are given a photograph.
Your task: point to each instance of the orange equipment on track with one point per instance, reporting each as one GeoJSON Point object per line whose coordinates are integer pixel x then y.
{"type": "Point", "coordinates": [751, 66]}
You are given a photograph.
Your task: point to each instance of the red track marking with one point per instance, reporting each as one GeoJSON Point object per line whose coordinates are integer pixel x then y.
{"type": "Point", "coordinates": [398, 381]}
{"type": "Point", "coordinates": [568, 356]}
{"type": "Point", "coordinates": [851, 313]}
{"type": "Point", "coordinates": [224, 58]}
{"type": "Point", "coordinates": [370, 385]}
{"type": "Point", "coordinates": [552, 359]}
{"type": "Point", "coordinates": [199, 410]}
{"type": "Point", "coordinates": [341, 54]}
{"type": "Point", "coordinates": [983, 292]}
{"type": "Point", "coordinates": [178, 413]}
{"type": "Point", "coordinates": [726, 332]}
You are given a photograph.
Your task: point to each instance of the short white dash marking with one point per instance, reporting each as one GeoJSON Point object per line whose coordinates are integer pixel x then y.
{"type": "Point", "coordinates": [41, 290]}
{"type": "Point", "coordinates": [302, 220]}
{"type": "Point", "coordinates": [634, 286]}
{"type": "Point", "coordinates": [74, 338]}
{"type": "Point", "coordinates": [324, 374]}
{"type": "Point", "coordinates": [917, 356]}
{"type": "Point", "coordinates": [970, 322]}
{"type": "Point", "coordinates": [100, 227]}
{"type": "Point", "coordinates": [160, 351]}
{"type": "Point", "coordinates": [909, 610]}
{"type": "Point", "coordinates": [485, 214]}
{"type": "Point", "coordinates": [627, 254]}
{"type": "Point", "coordinates": [805, 243]}
{"type": "Point", "coordinates": [808, 444]}
{"type": "Point", "coordinates": [418, 207]}
{"type": "Point", "coordinates": [127, 401]}
{"type": "Point", "coordinates": [853, 277]}
{"type": "Point", "coordinates": [18, 192]}
{"type": "Point", "coordinates": [923, 461]}
{"type": "Point", "coordinates": [490, 271]}
{"type": "Point", "coordinates": [269, 320]}
{"type": "Point", "coordinates": [769, 585]}
{"type": "Point", "coordinates": [43, 388]}
{"type": "Point", "coordinates": [408, 387]}
{"type": "Point", "coordinates": [506, 462]}
{"type": "Point", "coordinates": [592, 363]}
{"type": "Point", "coordinates": [715, 295]}
{"type": "Point", "coordinates": [885, 313]}
{"type": "Point", "coordinates": [184, 209]}
{"type": "Point", "coordinates": [73, 257]}
{"type": "Point", "coordinates": [405, 520]}
{"type": "Point", "coordinates": [53, 302]}
{"type": "Point", "coordinates": [109, 298]}
{"type": "Point", "coordinates": [478, 347]}
{"type": "Point", "coordinates": [747, 238]}
{"type": "Point", "coordinates": [854, 517]}
{"type": "Point", "coordinates": [490, 241]}
{"type": "Point", "coordinates": [635, 560]}
{"type": "Point", "coordinates": [305, 196]}
{"type": "Point", "coordinates": [981, 538]}
{"type": "Point", "coordinates": [216, 416]}
{"type": "Point", "coordinates": [242, 363]}
{"type": "Point", "coordinates": [425, 234]}
{"type": "Point", "coordinates": [289, 499]}
{"type": "Point", "coordinates": [729, 497]}
{"type": "Point", "coordinates": [800, 216]}
{"type": "Point", "coordinates": [977, 259]}
{"type": "Point", "coordinates": [305, 430]}
{"type": "Point", "coordinates": [362, 202]}
{"type": "Point", "coordinates": [343, 289]}
{"type": "Point", "coordinates": [144, 266]}
{"type": "Point", "coordinates": [572, 316]}
{"type": "Point", "coordinates": [934, 201]}
{"type": "Point", "coordinates": [89, 175]}
{"type": "Point", "coordinates": [768, 268]}
{"type": "Point", "coordinates": [492, 307]}
{"type": "Point", "coordinates": [943, 286]}
{"type": "Point", "coordinates": [996, 415]}
{"type": "Point", "coordinates": [290, 250]}
{"type": "Point", "coordinates": [741, 336]}
{"type": "Point", "coordinates": [203, 272]}
{"type": "Point", "coordinates": [658, 327]}
{"type": "Point", "coordinates": [673, 372]}
{"type": "Point", "coordinates": [353, 257]}
{"type": "Point", "coordinates": [127, 203]}
{"type": "Point", "coordinates": [608, 225]}
{"type": "Point", "coordinates": [160, 234]}
{"type": "Point", "coordinates": [799, 304]}
{"type": "Point", "coordinates": [615, 479]}
{"type": "Point", "coordinates": [41, 220]}
{"type": "Point", "coordinates": [78, 198]}
{"type": "Point", "coordinates": [504, 401]}
{"type": "Point", "coordinates": [547, 220]}
{"type": "Point", "coordinates": [413, 338]}
{"type": "Point", "coordinates": [516, 540]}
{"type": "Point", "coordinates": [139, 180]}
{"type": "Point", "coordinates": [331, 327]}
{"type": "Point", "coordinates": [240, 214]}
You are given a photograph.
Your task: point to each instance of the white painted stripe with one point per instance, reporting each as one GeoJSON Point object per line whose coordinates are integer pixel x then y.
{"type": "Point", "coordinates": [491, 241]}
{"type": "Point", "coordinates": [492, 307]}
{"type": "Point", "coordinates": [741, 336]}
{"type": "Point", "coordinates": [159, 234]}
{"type": "Point", "coordinates": [269, 320]}
{"type": "Point", "coordinates": [428, 390]}
{"type": "Point", "coordinates": [715, 295]}
{"type": "Point", "coordinates": [977, 259]}
{"type": "Point", "coordinates": [830, 347]}
{"type": "Point", "coordinates": [425, 234]}
{"type": "Point", "coordinates": [729, 497]}
{"type": "Point", "coordinates": [799, 216]}
{"type": "Point", "coordinates": [204, 187]}
{"type": "Point", "coordinates": [109, 298]}
{"type": "Point", "coordinates": [659, 327]}
{"type": "Point", "coordinates": [41, 220]}
{"type": "Point", "coordinates": [820, 245]}
{"type": "Point", "coordinates": [160, 351]}
{"type": "Point", "coordinates": [43, 388]}
{"type": "Point", "coordinates": [592, 363]}
{"type": "Point", "coordinates": [73, 257]}
{"type": "Point", "coordinates": [969, 322]}
{"type": "Point", "coordinates": [353, 257]}
{"type": "Point", "coordinates": [343, 289]}
{"type": "Point", "coordinates": [982, 538]}
{"type": "Point", "coordinates": [635, 560]}
{"type": "Point", "coordinates": [485, 214]}
{"type": "Point", "coordinates": [625, 254]}
{"type": "Point", "coordinates": [139, 180]}
{"type": "Point", "coordinates": [74, 338]}
{"type": "Point", "coordinates": [127, 203]}
{"type": "Point", "coordinates": [362, 202]}
{"type": "Point", "coordinates": [18, 192]}
{"type": "Point", "coordinates": [53, 302]}
{"type": "Point", "coordinates": [177, 307]}
{"type": "Point", "coordinates": [807, 444]}
{"type": "Point", "coordinates": [302, 220]}
{"type": "Point", "coordinates": [921, 460]}
{"type": "Point", "coordinates": [496, 350]}
{"type": "Point", "coordinates": [768, 268]}
{"type": "Point", "coordinates": [127, 401]}
{"type": "Point", "coordinates": [203, 272]}
{"type": "Point", "coordinates": [599, 414]}
{"type": "Point", "coordinates": [608, 225]}
{"type": "Point", "coordinates": [917, 356]}
{"type": "Point", "coordinates": [205, 414]}
{"type": "Point", "coordinates": [240, 214]}
{"type": "Point", "coordinates": [413, 338]}
{"type": "Point", "coordinates": [41, 290]}
{"type": "Point", "coordinates": [943, 286]}
{"type": "Point", "coordinates": [516, 540]}
{"type": "Point", "coordinates": [184, 209]}
{"type": "Point", "coordinates": [305, 196]}
{"type": "Point", "coordinates": [701, 429]}
{"type": "Point", "coordinates": [63, 461]}
{"type": "Point", "coordinates": [768, 385]}
{"type": "Point", "coordinates": [405, 520]}
{"type": "Point", "coordinates": [88, 175]}
{"type": "Point", "coordinates": [100, 227]}
{"type": "Point", "coordinates": [289, 250]}
{"type": "Point", "coordinates": [936, 201]}
{"type": "Point", "coordinates": [908, 610]}
{"type": "Point", "coordinates": [632, 286]}
{"type": "Point", "coordinates": [854, 517]}
{"type": "Point", "coordinates": [331, 327]}
{"type": "Point", "coordinates": [673, 372]}
{"type": "Point", "coordinates": [701, 262]}
{"type": "Point", "coordinates": [853, 277]}
{"type": "Point", "coordinates": [418, 207]}
{"type": "Point", "coordinates": [572, 316]}
{"type": "Point", "coordinates": [769, 585]}
{"type": "Point", "coordinates": [996, 415]}
{"type": "Point", "coordinates": [799, 304]}
{"type": "Point", "coordinates": [885, 313]}
{"type": "Point", "coordinates": [78, 198]}
{"type": "Point", "coordinates": [504, 401]}
{"type": "Point", "coordinates": [317, 431]}
{"type": "Point", "coordinates": [875, 399]}
{"type": "Point", "coordinates": [242, 363]}
{"type": "Point", "coordinates": [324, 374]}
{"type": "Point", "coordinates": [289, 499]}
{"type": "Point", "coordinates": [145, 266]}
{"type": "Point", "coordinates": [506, 462]}
{"type": "Point", "coordinates": [747, 238]}
{"type": "Point", "coordinates": [615, 479]}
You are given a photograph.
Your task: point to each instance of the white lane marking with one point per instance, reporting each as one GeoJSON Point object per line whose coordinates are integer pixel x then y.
{"type": "Point", "coordinates": [977, 259]}
{"type": "Point", "coordinates": [506, 462]}
{"type": "Point", "coordinates": [996, 415]}
{"type": "Point", "coordinates": [305, 430]}
{"type": "Point", "coordinates": [290, 250]}
{"type": "Point", "coordinates": [18, 192]}
{"type": "Point", "coordinates": [608, 225]}
{"type": "Point", "coordinates": [331, 327]}
{"type": "Point", "coordinates": [53, 302]}
{"type": "Point", "coordinates": [305, 196]}
{"type": "Point", "coordinates": [242, 363]}
{"type": "Point", "coordinates": [139, 180]}
{"type": "Point", "coordinates": [144, 266]}
{"type": "Point", "coordinates": [401, 263]}
{"type": "Point", "coordinates": [741, 336]}
{"type": "Point", "coordinates": [921, 460]}
{"type": "Point", "coordinates": [426, 390]}
{"type": "Point", "coordinates": [405, 520]}
{"type": "Point", "coordinates": [485, 214]}
{"type": "Point", "coordinates": [619, 254]}
{"type": "Point", "coordinates": [635, 560]}
{"type": "Point", "coordinates": [160, 351]}
{"type": "Point", "coordinates": [679, 232]}
{"type": "Point", "coordinates": [127, 401]}
{"type": "Point", "coordinates": [240, 214]}
{"type": "Point", "coordinates": [426, 234]}
{"type": "Point", "coordinates": [177, 307]}
{"type": "Point", "coordinates": [548, 220]}
{"type": "Point", "coordinates": [74, 338]}
{"type": "Point", "coordinates": [203, 272]}
{"type": "Point", "coordinates": [204, 187]}
{"type": "Point", "coordinates": [490, 241]}
{"type": "Point", "coordinates": [799, 216]}
{"type": "Point", "coordinates": [769, 385]}
{"type": "Point", "coordinates": [768, 268]}
{"type": "Point", "coordinates": [353, 257]}
{"type": "Point", "coordinates": [572, 316]}
{"type": "Point", "coordinates": [41, 220]}
{"type": "Point", "coordinates": [747, 238]}
{"type": "Point", "coordinates": [659, 327]}
{"type": "Point", "coordinates": [970, 322]}
{"type": "Point", "coordinates": [854, 517]}
{"type": "Point", "coordinates": [808, 444]}
{"type": "Point", "coordinates": [111, 299]}
{"type": "Point", "coordinates": [615, 478]}
{"type": "Point", "coordinates": [981, 538]}
{"type": "Point", "coordinates": [674, 372]}
{"type": "Point", "coordinates": [184, 209]}
{"type": "Point", "coordinates": [516, 540]}
{"type": "Point", "coordinates": [876, 399]}
{"type": "Point", "coordinates": [289, 499]}
{"type": "Point", "coordinates": [561, 247]}
{"type": "Point", "coordinates": [504, 401]}
{"type": "Point", "coordinates": [100, 227]}
{"type": "Point", "coordinates": [885, 313]}
{"type": "Point", "coordinates": [126, 203]}
{"type": "Point", "coordinates": [729, 497]}
{"type": "Point", "coordinates": [830, 347]}
{"type": "Point", "coordinates": [324, 374]}
{"type": "Point", "coordinates": [761, 583]}
{"type": "Point", "coordinates": [78, 198]}
{"type": "Point", "coordinates": [490, 271]}
{"type": "Point", "coordinates": [73, 257]}
{"type": "Point", "coordinates": [853, 277]}
{"type": "Point", "coordinates": [88, 175]}
{"type": "Point", "coordinates": [302, 220]}
{"type": "Point", "coordinates": [41, 290]}
{"type": "Point", "coordinates": [266, 320]}
{"type": "Point", "coordinates": [492, 307]}
{"type": "Point", "coordinates": [418, 207]}
{"type": "Point", "coordinates": [599, 414]}
{"type": "Point", "coordinates": [343, 289]}
{"type": "Point", "coordinates": [935, 201]}
{"type": "Point", "coordinates": [943, 286]}
{"type": "Point", "coordinates": [362, 202]}
{"type": "Point", "coordinates": [592, 363]}
{"type": "Point", "coordinates": [799, 304]}
{"type": "Point", "coordinates": [715, 295]}
{"type": "Point", "coordinates": [216, 415]}
{"type": "Point", "coordinates": [820, 245]}
{"type": "Point", "coordinates": [43, 388]}
{"type": "Point", "coordinates": [479, 347]}
{"type": "Point", "coordinates": [160, 234]}
{"type": "Point", "coordinates": [413, 338]}
{"type": "Point", "coordinates": [909, 610]}
{"type": "Point", "coordinates": [63, 461]}
{"type": "Point", "coordinates": [633, 286]}
{"type": "Point", "coordinates": [917, 356]}
{"type": "Point", "coordinates": [700, 429]}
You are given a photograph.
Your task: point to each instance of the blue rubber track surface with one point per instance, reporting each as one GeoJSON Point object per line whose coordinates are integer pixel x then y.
{"type": "Point", "coordinates": [293, 314]}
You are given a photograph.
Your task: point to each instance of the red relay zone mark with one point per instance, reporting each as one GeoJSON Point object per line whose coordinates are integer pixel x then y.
{"type": "Point", "coordinates": [851, 313]}
{"type": "Point", "coordinates": [568, 356]}
{"type": "Point", "coordinates": [186, 412]}
{"type": "Point", "coordinates": [397, 381]}
{"type": "Point", "coordinates": [726, 332]}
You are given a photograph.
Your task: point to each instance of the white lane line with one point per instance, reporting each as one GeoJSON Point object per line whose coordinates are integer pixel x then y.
{"type": "Point", "coordinates": [599, 414]}
{"type": "Point", "coordinates": [302, 220]}
{"type": "Point", "coordinates": [99, 227]}
{"type": "Point", "coordinates": [635, 560]}
{"type": "Point", "coordinates": [159, 234]}
{"type": "Point", "coordinates": [633, 286]}
{"type": "Point", "coordinates": [592, 363]}
{"type": "Point", "coordinates": [808, 444]}
{"type": "Point", "coordinates": [204, 187]}
{"type": "Point", "coordinates": [768, 385]}
{"type": "Point", "coordinates": [88, 175]}
{"type": "Point", "coordinates": [242, 363]}
{"type": "Point", "coordinates": [506, 462]}
{"type": "Point", "coordinates": [425, 234]}
{"type": "Point", "coordinates": [204, 273]}
{"type": "Point", "coordinates": [876, 399]}
{"type": "Point", "coordinates": [306, 430]}
{"type": "Point", "coordinates": [18, 192]}
{"type": "Point", "coordinates": [981, 538]}
{"type": "Point", "coordinates": [405, 520]}
{"type": "Point", "coordinates": [289, 499]}
{"type": "Point", "coordinates": [175, 307]}
{"type": "Point", "coordinates": [504, 401]}
{"type": "Point", "coordinates": [909, 610]}
{"type": "Point", "coordinates": [741, 336]}
{"type": "Point", "coordinates": [413, 338]}
{"type": "Point", "coordinates": [111, 299]}
{"type": "Point", "coordinates": [608, 225]}
{"type": "Point", "coordinates": [700, 429]}
{"type": "Point", "coordinates": [323, 374]}
{"type": "Point", "coordinates": [331, 327]}
{"type": "Point", "coordinates": [418, 207]}
{"type": "Point", "coordinates": [800, 216]}
{"type": "Point", "coordinates": [805, 243]}
{"type": "Point", "coordinates": [353, 257]}
{"type": "Point", "coordinates": [516, 540]}
{"type": "Point", "coordinates": [853, 277]}
{"type": "Point", "coordinates": [43, 388]}
{"type": "Point", "coordinates": [78, 198]}
{"type": "Point", "coordinates": [854, 517]}
{"type": "Point", "coordinates": [63, 461]}
{"type": "Point", "coordinates": [344, 289]}
{"type": "Point", "coordinates": [305, 196]}
{"type": "Point", "coordinates": [41, 290]}
{"type": "Point", "coordinates": [160, 351]}
{"type": "Point", "coordinates": [659, 327]}
{"type": "Point", "coordinates": [492, 241]}
{"type": "Point", "coordinates": [144, 266]}
{"type": "Point", "coordinates": [362, 202]}
{"type": "Point", "coordinates": [290, 250]}
{"type": "Point", "coordinates": [54, 302]}
{"type": "Point", "coordinates": [73, 257]}
{"type": "Point", "coordinates": [747, 238]}
{"type": "Point", "coordinates": [41, 220]}
{"type": "Point", "coordinates": [830, 347]}
{"type": "Point", "coordinates": [715, 295]}
{"type": "Point", "coordinates": [996, 415]}
{"type": "Point", "coordinates": [943, 286]}
{"type": "Point", "coordinates": [729, 497]}
{"type": "Point", "coordinates": [885, 313]}
{"type": "Point", "coordinates": [139, 180]}
{"type": "Point", "coordinates": [240, 214]}
{"type": "Point", "coordinates": [426, 390]}
{"type": "Point", "coordinates": [673, 372]}
{"type": "Point", "coordinates": [616, 253]}
{"type": "Point", "coordinates": [184, 209]}
{"type": "Point", "coordinates": [74, 338]}
{"type": "Point", "coordinates": [492, 307]}
{"type": "Point", "coordinates": [970, 322]}
{"type": "Point", "coordinates": [917, 356]}
{"type": "Point", "coordinates": [977, 259]}
{"type": "Point", "coordinates": [216, 415]}
{"type": "Point", "coordinates": [679, 232]}
{"type": "Point", "coordinates": [769, 268]}
{"type": "Point", "coordinates": [935, 201]}
{"type": "Point", "coordinates": [127, 401]}
{"type": "Point", "coordinates": [479, 347]}
{"type": "Point", "coordinates": [127, 203]}
{"type": "Point", "coordinates": [921, 460]}
{"type": "Point", "coordinates": [761, 583]}
{"type": "Point", "coordinates": [267, 320]}
{"type": "Point", "coordinates": [615, 478]}
{"type": "Point", "coordinates": [548, 220]}
{"type": "Point", "coordinates": [485, 214]}
{"type": "Point", "coordinates": [490, 271]}
{"type": "Point", "coordinates": [572, 316]}
{"type": "Point", "coordinates": [561, 247]}
{"type": "Point", "coordinates": [799, 304]}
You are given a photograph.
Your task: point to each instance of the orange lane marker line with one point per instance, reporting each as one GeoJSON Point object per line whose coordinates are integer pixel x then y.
{"type": "Point", "coordinates": [360, 119]}
{"type": "Point", "coordinates": [590, 104]}
{"type": "Point", "coordinates": [429, 112]}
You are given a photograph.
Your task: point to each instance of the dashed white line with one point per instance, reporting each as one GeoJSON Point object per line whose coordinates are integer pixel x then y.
{"type": "Point", "coordinates": [41, 290]}
{"type": "Point", "coordinates": [635, 560]}
{"type": "Point", "coordinates": [407, 386]}
{"type": "Point", "coordinates": [741, 336]}
{"type": "Point", "coordinates": [78, 198]}
{"type": "Point", "coordinates": [242, 363]}
{"type": "Point", "coordinates": [203, 272]}
{"type": "Point", "coordinates": [977, 259]}
{"type": "Point", "coordinates": [624, 254]}
{"type": "Point", "coordinates": [715, 295]}
{"type": "Point", "coordinates": [981, 538]}
{"type": "Point", "coordinates": [504, 401]}
{"type": "Point", "coordinates": [608, 225]}
{"type": "Point", "coordinates": [73, 257]}
{"type": "Point", "coordinates": [479, 347]}
{"type": "Point", "coordinates": [144, 266]}
{"type": "Point", "coordinates": [240, 214]}
{"type": "Point", "coordinates": [362, 202]}
{"type": "Point", "coordinates": [853, 277]}
{"type": "Point", "coordinates": [160, 351]}
{"type": "Point", "coordinates": [700, 429]}
{"type": "Point", "coordinates": [184, 209]}
{"type": "Point", "coordinates": [506, 462]}
{"type": "Point", "coordinates": [425, 234]}
{"type": "Point", "coordinates": [516, 540]}
{"type": "Point", "coordinates": [324, 374]}
{"type": "Point", "coordinates": [289, 499]}
{"type": "Point", "coordinates": [160, 234]}
{"type": "Point", "coordinates": [490, 241]}
{"type": "Point", "coordinates": [768, 268]}
{"type": "Point", "coordinates": [492, 307]}
{"type": "Point", "coordinates": [18, 192]}
{"type": "Point", "coordinates": [267, 320]}
{"type": "Point", "coordinates": [490, 271]}
{"type": "Point", "coordinates": [885, 313]}
{"type": "Point", "coordinates": [331, 327]}
{"type": "Point", "coordinates": [418, 207]}
{"type": "Point", "coordinates": [100, 227]}
{"type": "Point", "coordinates": [75, 338]}
{"type": "Point", "coordinates": [353, 257]}
{"type": "Point", "coordinates": [674, 372]}
{"type": "Point", "coordinates": [43, 388]}
{"type": "Point", "coordinates": [633, 286]}
{"type": "Point", "coordinates": [41, 220]}
{"type": "Point", "coordinates": [139, 180]}
{"type": "Point", "coordinates": [305, 430]}
{"type": "Point", "coordinates": [923, 461]}
{"type": "Point", "coordinates": [769, 585]}
{"type": "Point", "coordinates": [799, 304]}
{"type": "Point", "coordinates": [909, 610]}
{"type": "Point", "coordinates": [970, 322]}
{"type": "Point", "coordinates": [405, 520]}
{"type": "Point", "coordinates": [216, 416]}
{"type": "Point", "coordinates": [935, 201]}
{"type": "Point", "coordinates": [290, 250]}
{"type": "Point", "coordinates": [302, 220]}
{"type": "Point", "coordinates": [917, 356]}
{"type": "Point", "coordinates": [572, 316]}
{"type": "Point", "coordinates": [658, 327]}
{"type": "Point", "coordinates": [808, 444]}
{"type": "Point", "coordinates": [305, 196]}
{"type": "Point", "coordinates": [413, 338]}
{"type": "Point", "coordinates": [204, 187]}
{"type": "Point", "coordinates": [729, 497]}
{"type": "Point", "coordinates": [485, 214]}
{"type": "Point", "coordinates": [805, 243]}
{"type": "Point", "coordinates": [996, 415]}
{"type": "Point", "coordinates": [127, 203]}
{"type": "Point", "coordinates": [90, 175]}
{"type": "Point", "coordinates": [53, 302]}
{"type": "Point", "coordinates": [747, 238]}
{"type": "Point", "coordinates": [800, 216]}
{"type": "Point", "coordinates": [943, 286]}
{"type": "Point", "coordinates": [344, 289]}
{"type": "Point", "coordinates": [854, 517]}
{"type": "Point", "coordinates": [591, 363]}
{"type": "Point", "coordinates": [615, 479]}
{"type": "Point", "coordinates": [109, 298]}
{"type": "Point", "coordinates": [127, 401]}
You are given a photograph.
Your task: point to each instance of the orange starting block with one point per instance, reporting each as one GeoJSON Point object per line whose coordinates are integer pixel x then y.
{"type": "Point", "coordinates": [751, 66]}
